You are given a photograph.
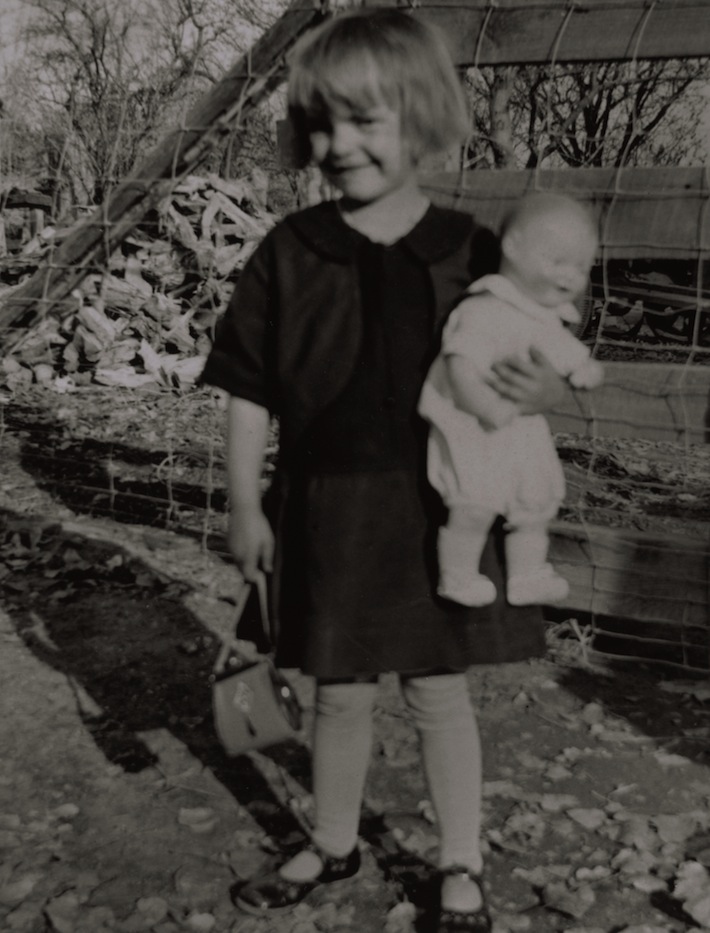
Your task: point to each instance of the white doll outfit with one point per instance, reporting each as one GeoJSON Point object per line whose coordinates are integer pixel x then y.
{"type": "Point", "coordinates": [514, 470]}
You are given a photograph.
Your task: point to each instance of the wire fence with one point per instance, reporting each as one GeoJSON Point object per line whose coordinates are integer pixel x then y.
{"type": "Point", "coordinates": [106, 318]}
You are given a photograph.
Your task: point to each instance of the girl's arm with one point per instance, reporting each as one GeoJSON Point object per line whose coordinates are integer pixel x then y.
{"type": "Point", "coordinates": [250, 538]}
{"type": "Point", "coordinates": [532, 384]}
{"type": "Point", "coordinates": [471, 394]}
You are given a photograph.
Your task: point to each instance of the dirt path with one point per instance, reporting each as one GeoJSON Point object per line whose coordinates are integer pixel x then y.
{"type": "Point", "coordinates": [118, 810]}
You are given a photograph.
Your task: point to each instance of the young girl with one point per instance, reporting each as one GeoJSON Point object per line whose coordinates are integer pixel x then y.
{"type": "Point", "coordinates": [333, 326]}
{"type": "Point", "coordinates": [485, 458]}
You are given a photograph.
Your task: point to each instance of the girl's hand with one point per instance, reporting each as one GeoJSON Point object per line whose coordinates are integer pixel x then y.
{"type": "Point", "coordinates": [531, 383]}
{"type": "Point", "coordinates": [250, 540]}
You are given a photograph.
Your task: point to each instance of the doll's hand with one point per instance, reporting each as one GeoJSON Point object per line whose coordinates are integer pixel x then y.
{"type": "Point", "coordinates": [250, 540]}
{"type": "Point", "coordinates": [531, 383]}
{"type": "Point", "coordinates": [588, 376]}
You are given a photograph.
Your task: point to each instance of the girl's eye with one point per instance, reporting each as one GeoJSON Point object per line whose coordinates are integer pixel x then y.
{"type": "Point", "coordinates": [317, 123]}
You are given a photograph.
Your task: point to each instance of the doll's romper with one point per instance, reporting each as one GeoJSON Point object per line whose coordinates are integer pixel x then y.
{"type": "Point", "coordinates": [513, 470]}
{"type": "Point", "coordinates": [355, 519]}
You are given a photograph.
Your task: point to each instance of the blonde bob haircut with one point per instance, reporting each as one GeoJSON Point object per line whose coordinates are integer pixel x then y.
{"type": "Point", "coordinates": [365, 58]}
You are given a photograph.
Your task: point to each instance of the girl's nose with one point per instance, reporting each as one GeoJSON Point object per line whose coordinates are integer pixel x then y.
{"type": "Point", "coordinates": [341, 137]}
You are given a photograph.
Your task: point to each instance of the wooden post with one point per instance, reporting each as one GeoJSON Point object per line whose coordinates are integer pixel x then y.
{"type": "Point", "coordinates": [630, 574]}
{"type": "Point", "coordinates": [501, 121]}
{"type": "Point", "coordinates": [507, 32]}
{"type": "Point", "coordinates": [36, 221]}
{"type": "Point", "coordinates": [233, 99]}
{"type": "Point", "coordinates": [663, 402]}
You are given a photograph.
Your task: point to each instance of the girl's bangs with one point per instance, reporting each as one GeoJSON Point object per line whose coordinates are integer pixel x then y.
{"type": "Point", "coordinates": [354, 81]}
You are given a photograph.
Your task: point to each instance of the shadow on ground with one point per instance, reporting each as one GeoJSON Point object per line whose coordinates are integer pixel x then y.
{"type": "Point", "coordinates": [156, 487]}
{"type": "Point", "coordinates": [138, 660]}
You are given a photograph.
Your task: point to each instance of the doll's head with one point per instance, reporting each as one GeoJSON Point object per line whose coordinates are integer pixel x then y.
{"type": "Point", "coordinates": [369, 62]}
{"type": "Point", "coordinates": [548, 245]}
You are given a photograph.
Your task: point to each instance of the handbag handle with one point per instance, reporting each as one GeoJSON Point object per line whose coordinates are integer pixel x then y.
{"type": "Point", "coordinates": [229, 642]}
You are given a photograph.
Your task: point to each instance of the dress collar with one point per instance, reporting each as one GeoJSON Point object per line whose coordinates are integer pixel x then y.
{"type": "Point", "coordinates": [438, 234]}
{"type": "Point", "coordinates": [504, 289]}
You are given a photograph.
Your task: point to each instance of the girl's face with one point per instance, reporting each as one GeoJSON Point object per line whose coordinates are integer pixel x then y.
{"type": "Point", "coordinates": [362, 151]}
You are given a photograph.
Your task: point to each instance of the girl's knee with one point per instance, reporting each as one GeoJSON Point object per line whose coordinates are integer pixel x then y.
{"type": "Point", "coordinates": [345, 701]}
{"type": "Point", "coordinates": [439, 700]}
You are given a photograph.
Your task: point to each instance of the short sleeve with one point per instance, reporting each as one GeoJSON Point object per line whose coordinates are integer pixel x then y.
{"type": "Point", "coordinates": [477, 331]}
{"type": "Point", "coordinates": [239, 361]}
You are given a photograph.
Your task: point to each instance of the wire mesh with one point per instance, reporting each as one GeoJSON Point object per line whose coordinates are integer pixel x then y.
{"type": "Point", "coordinates": [101, 415]}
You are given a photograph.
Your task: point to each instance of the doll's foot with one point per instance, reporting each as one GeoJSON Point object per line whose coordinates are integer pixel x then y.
{"type": "Point", "coordinates": [280, 891]}
{"type": "Point", "coordinates": [540, 587]}
{"type": "Point", "coordinates": [463, 903]}
{"type": "Point", "coordinates": [473, 590]}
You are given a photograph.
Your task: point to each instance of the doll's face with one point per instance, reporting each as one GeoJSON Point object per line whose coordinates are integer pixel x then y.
{"type": "Point", "coordinates": [362, 150]}
{"type": "Point", "coordinates": [550, 258]}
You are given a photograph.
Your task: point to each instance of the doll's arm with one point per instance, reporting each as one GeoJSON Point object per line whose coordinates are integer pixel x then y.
{"type": "Point", "coordinates": [574, 360]}
{"type": "Point", "coordinates": [488, 380]}
{"type": "Point", "coordinates": [471, 394]}
{"type": "Point", "coordinates": [250, 537]}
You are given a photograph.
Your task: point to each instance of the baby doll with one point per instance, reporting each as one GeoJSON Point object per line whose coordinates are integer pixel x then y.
{"type": "Point", "coordinates": [486, 455]}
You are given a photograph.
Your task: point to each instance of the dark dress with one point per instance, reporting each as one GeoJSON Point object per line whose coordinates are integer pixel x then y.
{"type": "Point", "coordinates": [356, 520]}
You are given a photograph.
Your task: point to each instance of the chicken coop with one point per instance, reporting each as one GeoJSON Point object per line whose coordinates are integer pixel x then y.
{"type": "Point", "coordinates": [108, 309]}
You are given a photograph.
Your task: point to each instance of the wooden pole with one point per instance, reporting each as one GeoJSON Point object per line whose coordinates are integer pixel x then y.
{"type": "Point", "coordinates": [229, 103]}
{"type": "Point", "coordinates": [507, 32]}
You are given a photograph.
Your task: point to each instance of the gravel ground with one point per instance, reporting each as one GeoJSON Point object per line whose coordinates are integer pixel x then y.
{"type": "Point", "coordinates": [119, 811]}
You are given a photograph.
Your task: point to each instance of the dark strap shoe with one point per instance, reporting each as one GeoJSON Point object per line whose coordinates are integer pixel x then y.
{"type": "Point", "coordinates": [464, 921]}
{"type": "Point", "coordinates": [273, 894]}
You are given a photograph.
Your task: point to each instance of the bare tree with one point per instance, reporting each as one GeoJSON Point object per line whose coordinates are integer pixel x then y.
{"type": "Point", "coordinates": [609, 113]}
{"type": "Point", "coordinates": [108, 79]}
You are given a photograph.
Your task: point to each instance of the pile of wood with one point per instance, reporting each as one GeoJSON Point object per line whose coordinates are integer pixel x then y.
{"type": "Point", "coordinates": [148, 315]}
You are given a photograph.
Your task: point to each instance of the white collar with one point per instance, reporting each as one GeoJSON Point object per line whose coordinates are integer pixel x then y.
{"type": "Point", "coordinates": [504, 289]}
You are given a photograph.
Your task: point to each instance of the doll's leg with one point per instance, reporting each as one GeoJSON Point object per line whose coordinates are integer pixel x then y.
{"type": "Point", "coordinates": [460, 545]}
{"type": "Point", "coordinates": [451, 752]}
{"type": "Point", "coordinates": [531, 579]}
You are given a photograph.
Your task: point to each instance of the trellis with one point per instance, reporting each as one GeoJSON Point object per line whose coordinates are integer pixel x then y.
{"type": "Point", "coordinates": [655, 578]}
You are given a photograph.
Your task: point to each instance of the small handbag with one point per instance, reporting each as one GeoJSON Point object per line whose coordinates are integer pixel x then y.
{"type": "Point", "coordinates": [253, 704]}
